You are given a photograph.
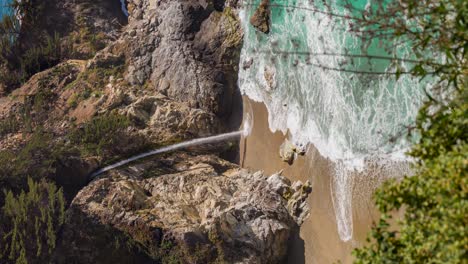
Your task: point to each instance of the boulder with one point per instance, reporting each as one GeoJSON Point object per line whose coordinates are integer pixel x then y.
{"type": "Point", "coordinates": [287, 151]}
{"type": "Point", "coordinates": [261, 18]}
{"type": "Point", "coordinates": [196, 209]}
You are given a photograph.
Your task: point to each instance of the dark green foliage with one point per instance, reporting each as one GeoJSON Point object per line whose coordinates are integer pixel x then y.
{"type": "Point", "coordinates": [9, 125]}
{"type": "Point", "coordinates": [43, 56]}
{"type": "Point", "coordinates": [443, 131]}
{"type": "Point", "coordinates": [30, 222]}
{"type": "Point", "coordinates": [434, 200]}
{"type": "Point", "coordinates": [36, 158]}
{"type": "Point", "coordinates": [100, 134]}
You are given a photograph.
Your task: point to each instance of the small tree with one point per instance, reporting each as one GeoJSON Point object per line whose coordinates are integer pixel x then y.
{"type": "Point", "coordinates": [434, 226]}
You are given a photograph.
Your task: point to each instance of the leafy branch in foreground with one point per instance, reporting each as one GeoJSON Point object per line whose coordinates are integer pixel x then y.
{"type": "Point", "coordinates": [435, 200]}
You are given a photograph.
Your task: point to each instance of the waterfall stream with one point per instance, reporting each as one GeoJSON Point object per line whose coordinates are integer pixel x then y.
{"type": "Point", "coordinates": [178, 146]}
{"type": "Point", "coordinates": [244, 131]}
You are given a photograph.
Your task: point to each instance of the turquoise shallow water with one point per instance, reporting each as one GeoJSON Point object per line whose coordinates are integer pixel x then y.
{"type": "Point", "coordinates": [4, 8]}
{"type": "Point", "coordinates": [352, 119]}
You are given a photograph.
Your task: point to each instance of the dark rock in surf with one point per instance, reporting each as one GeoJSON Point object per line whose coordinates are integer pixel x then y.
{"type": "Point", "coordinates": [261, 18]}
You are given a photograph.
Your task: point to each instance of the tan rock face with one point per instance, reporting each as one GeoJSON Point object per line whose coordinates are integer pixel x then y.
{"type": "Point", "coordinates": [173, 71]}
{"type": "Point", "coordinates": [204, 205]}
{"type": "Point", "coordinates": [261, 18]}
{"type": "Point", "coordinates": [189, 50]}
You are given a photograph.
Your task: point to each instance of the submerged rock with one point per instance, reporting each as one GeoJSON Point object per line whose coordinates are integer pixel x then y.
{"type": "Point", "coordinates": [261, 18]}
{"type": "Point", "coordinates": [196, 209]}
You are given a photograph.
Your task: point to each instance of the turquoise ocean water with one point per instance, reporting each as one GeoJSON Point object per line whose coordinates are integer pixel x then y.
{"type": "Point", "coordinates": [4, 8]}
{"type": "Point", "coordinates": [353, 119]}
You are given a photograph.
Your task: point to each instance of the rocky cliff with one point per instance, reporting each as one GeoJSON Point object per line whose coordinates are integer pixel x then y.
{"type": "Point", "coordinates": [167, 74]}
{"type": "Point", "coordinates": [186, 209]}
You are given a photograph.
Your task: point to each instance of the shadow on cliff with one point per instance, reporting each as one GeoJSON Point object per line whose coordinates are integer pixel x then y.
{"type": "Point", "coordinates": [296, 249]}
{"type": "Point", "coordinates": [85, 240]}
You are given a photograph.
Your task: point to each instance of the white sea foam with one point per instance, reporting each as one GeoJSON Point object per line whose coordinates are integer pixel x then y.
{"type": "Point", "coordinates": [353, 120]}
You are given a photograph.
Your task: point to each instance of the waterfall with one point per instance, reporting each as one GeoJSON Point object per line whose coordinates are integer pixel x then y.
{"type": "Point", "coordinates": [182, 145]}
{"type": "Point", "coordinates": [352, 119]}
{"type": "Point", "coordinates": [123, 6]}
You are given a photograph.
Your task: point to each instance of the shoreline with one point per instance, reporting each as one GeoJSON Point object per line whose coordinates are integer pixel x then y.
{"type": "Point", "coordinates": [319, 241]}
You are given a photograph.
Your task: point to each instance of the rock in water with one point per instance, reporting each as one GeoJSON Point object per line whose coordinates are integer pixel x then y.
{"type": "Point", "coordinates": [261, 18]}
{"type": "Point", "coordinates": [287, 152]}
{"type": "Point", "coordinates": [196, 209]}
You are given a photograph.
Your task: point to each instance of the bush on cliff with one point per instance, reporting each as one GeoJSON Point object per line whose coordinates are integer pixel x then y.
{"type": "Point", "coordinates": [100, 134]}
{"type": "Point", "coordinates": [30, 222]}
{"type": "Point", "coordinates": [36, 159]}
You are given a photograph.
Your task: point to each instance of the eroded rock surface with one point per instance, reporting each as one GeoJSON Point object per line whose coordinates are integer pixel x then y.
{"type": "Point", "coordinates": [199, 209]}
{"type": "Point", "coordinates": [173, 72]}
{"type": "Point", "coordinates": [187, 50]}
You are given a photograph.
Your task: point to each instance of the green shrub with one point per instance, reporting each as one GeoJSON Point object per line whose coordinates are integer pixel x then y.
{"type": "Point", "coordinates": [435, 200]}
{"type": "Point", "coordinates": [9, 125]}
{"type": "Point", "coordinates": [36, 158]}
{"type": "Point", "coordinates": [100, 134]}
{"type": "Point", "coordinates": [43, 56]}
{"type": "Point", "coordinates": [30, 222]}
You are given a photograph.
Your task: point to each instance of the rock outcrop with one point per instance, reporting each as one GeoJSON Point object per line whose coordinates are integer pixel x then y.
{"type": "Point", "coordinates": [195, 209]}
{"type": "Point", "coordinates": [261, 18]}
{"type": "Point", "coordinates": [187, 50]}
{"type": "Point", "coordinates": [172, 72]}
{"type": "Point", "coordinates": [288, 151]}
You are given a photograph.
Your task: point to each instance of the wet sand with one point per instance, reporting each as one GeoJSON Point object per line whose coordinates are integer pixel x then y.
{"type": "Point", "coordinates": [319, 241]}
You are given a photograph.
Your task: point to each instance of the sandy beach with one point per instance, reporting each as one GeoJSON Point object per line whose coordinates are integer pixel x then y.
{"type": "Point", "coordinates": [319, 241]}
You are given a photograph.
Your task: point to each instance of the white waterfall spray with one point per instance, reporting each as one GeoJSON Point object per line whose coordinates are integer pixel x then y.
{"type": "Point", "coordinates": [123, 6]}
{"type": "Point", "coordinates": [193, 142]}
{"type": "Point", "coordinates": [245, 131]}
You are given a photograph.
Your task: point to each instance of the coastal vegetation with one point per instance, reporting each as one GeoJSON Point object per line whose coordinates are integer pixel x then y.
{"type": "Point", "coordinates": [30, 223]}
{"type": "Point", "coordinates": [25, 49]}
{"type": "Point", "coordinates": [100, 134]}
{"type": "Point", "coordinates": [435, 199]}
